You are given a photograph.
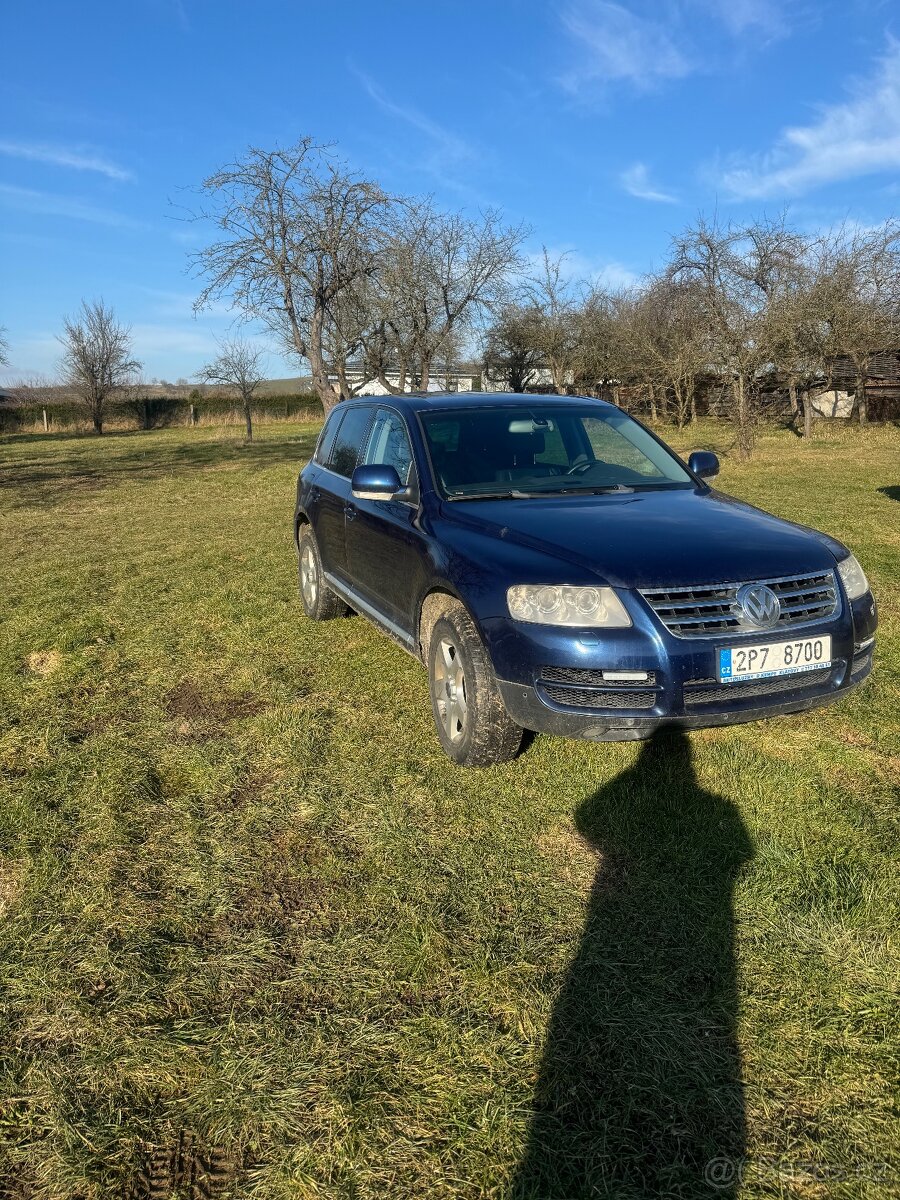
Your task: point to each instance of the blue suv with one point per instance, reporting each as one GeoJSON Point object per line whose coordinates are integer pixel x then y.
{"type": "Point", "coordinates": [557, 568]}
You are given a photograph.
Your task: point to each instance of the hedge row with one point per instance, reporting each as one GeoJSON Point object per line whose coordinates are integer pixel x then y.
{"type": "Point", "coordinates": [158, 412]}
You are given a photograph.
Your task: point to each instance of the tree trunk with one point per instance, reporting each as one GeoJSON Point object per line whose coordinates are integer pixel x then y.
{"type": "Point", "coordinates": [425, 374]}
{"type": "Point", "coordinates": [679, 405]}
{"type": "Point", "coordinates": [862, 413]}
{"type": "Point", "coordinates": [792, 393]}
{"type": "Point", "coordinates": [807, 414]}
{"type": "Point", "coordinates": [653, 402]}
{"type": "Point", "coordinates": [46, 422]}
{"type": "Point", "coordinates": [693, 405]}
{"type": "Point", "coordinates": [557, 372]}
{"type": "Point", "coordinates": [321, 383]}
{"type": "Point", "coordinates": [248, 418]}
{"type": "Point", "coordinates": [742, 415]}
{"type": "Point", "coordinates": [343, 386]}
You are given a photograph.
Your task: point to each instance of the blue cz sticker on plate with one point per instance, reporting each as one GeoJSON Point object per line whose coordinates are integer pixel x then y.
{"type": "Point", "coordinates": [724, 664]}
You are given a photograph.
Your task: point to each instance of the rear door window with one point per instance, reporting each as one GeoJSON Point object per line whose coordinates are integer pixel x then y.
{"type": "Point", "coordinates": [348, 443]}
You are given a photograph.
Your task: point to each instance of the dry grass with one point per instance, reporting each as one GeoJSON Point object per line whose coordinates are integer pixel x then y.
{"type": "Point", "coordinates": [257, 931]}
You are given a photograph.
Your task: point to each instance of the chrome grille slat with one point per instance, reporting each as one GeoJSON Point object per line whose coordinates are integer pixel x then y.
{"type": "Point", "coordinates": [585, 677]}
{"type": "Point", "coordinates": [697, 604]}
{"type": "Point", "coordinates": [693, 612]}
{"type": "Point", "coordinates": [724, 617]}
{"type": "Point", "coordinates": [791, 608]}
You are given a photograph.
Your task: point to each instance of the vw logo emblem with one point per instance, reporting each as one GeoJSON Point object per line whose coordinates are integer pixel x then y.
{"type": "Point", "coordinates": [758, 605]}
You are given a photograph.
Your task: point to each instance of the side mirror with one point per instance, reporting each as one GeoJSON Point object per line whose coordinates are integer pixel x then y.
{"type": "Point", "coordinates": [375, 483]}
{"type": "Point", "coordinates": [704, 463]}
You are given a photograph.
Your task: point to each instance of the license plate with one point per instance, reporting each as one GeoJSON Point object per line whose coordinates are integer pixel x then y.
{"type": "Point", "coordinates": [774, 658]}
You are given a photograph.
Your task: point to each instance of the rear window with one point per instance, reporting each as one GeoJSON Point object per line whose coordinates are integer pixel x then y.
{"type": "Point", "coordinates": [348, 443]}
{"type": "Point", "coordinates": [327, 436]}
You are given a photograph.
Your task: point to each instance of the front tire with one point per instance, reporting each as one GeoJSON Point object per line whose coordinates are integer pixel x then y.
{"type": "Point", "coordinates": [319, 601]}
{"type": "Point", "coordinates": [472, 723]}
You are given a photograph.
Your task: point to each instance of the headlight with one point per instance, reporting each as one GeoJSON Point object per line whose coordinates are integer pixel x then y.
{"type": "Point", "coordinates": [853, 577]}
{"type": "Point", "coordinates": [547, 605]}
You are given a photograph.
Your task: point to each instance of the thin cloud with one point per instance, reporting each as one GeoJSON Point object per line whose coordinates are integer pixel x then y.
{"type": "Point", "coordinates": [741, 16]}
{"type": "Point", "coordinates": [636, 181]}
{"type": "Point", "coordinates": [450, 145]}
{"type": "Point", "coordinates": [617, 44]}
{"type": "Point", "coordinates": [859, 137]}
{"type": "Point", "coordinates": [644, 43]}
{"type": "Point", "coordinates": [52, 205]}
{"type": "Point", "coordinates": [62, 156]}
{"type": "Point", "coordinates": [449, 155]}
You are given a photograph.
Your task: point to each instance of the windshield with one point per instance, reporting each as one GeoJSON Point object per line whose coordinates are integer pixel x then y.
{"type": "Point", "coordinates": [488, 452]}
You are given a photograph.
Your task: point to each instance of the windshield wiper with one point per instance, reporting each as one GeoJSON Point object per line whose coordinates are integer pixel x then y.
{"type": "Point", "coordinates": [513, 494]}
{"type": "Point", "coordinates": [516, 494]}
{"type": "Point", "coordinates": [596, 490]}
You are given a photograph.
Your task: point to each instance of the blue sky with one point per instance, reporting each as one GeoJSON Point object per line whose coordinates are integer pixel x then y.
{"type": "Point", "coordinates": [605, 126]}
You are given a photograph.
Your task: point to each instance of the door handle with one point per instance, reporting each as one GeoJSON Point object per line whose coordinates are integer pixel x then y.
{"type": "Point", "coordinates": [350, 511]}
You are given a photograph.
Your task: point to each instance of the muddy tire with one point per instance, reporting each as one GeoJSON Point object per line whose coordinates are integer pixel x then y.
{"type": "Point", "coordinates": [319, 601]}
{"type": "Point", "coordinates": [472, 723]}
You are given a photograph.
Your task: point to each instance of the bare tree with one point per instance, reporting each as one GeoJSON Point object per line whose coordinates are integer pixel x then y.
{"type": "Point", "coordinates": [601, 358]}
{"type": "Point", "coordinates": [439, 272]}
{"type": "Point", "coordinates": [298, 230]}
{"type": "Point", "coordinates": [667, 340]}
{"type": "Point", "coordinates": [556, 298]}
{"type": "Point", "coordinates": [866, 270]}
{"type": "Point", "coordinates": [736, 271]}
{"type": "Point", "coordinates": [97, 358]}
{"type": "Point", "coordinates": [511, 355]}
{"type": "Point", "coordinates": [239, 364]}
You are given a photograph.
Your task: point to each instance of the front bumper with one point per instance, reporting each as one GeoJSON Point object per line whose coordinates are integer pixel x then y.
{"type": "Point", "coordinates": [556, 684]}
{"type": "Point", "coordinates": [528, 708]}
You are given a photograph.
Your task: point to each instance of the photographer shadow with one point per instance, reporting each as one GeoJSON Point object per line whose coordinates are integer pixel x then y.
{"type": "Point", "coordinates": [640, 1093]}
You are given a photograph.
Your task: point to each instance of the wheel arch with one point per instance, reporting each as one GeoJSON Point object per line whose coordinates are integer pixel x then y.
{"type": "Point", "coordinates": [300, 519]}
{"type": "Point", "coordinates": [432, 607]}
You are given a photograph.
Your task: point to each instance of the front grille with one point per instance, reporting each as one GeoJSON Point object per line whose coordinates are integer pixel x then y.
{"type": "Point", "coordinates": [592, 676]}
{"type": "Point", "coordinates": [693, 612]}
{"type": "Point", "coordinates": [708, 691]}
{"type": "Point", "coordinates": [596, 698]}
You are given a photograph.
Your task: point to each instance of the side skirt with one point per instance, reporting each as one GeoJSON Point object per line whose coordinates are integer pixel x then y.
{"type": "Point", "coordinates": [394, 632]}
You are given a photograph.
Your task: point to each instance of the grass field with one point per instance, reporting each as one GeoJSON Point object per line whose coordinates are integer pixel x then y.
{"type": "Point", "coordinates": [260, 938]}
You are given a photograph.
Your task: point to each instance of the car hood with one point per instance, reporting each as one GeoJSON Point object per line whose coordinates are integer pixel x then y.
{"type": "Point", "coordinates": [654, 539]}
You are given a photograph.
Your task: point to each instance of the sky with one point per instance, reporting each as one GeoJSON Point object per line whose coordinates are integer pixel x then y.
{"type": "Point", "coordinates": [605, 127]}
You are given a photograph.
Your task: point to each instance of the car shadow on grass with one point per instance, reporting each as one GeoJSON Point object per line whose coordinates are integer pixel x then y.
{"type": "Point", "coordinates": [892, 492]}
{"type": "Point", "coordinates": [639, 1093]}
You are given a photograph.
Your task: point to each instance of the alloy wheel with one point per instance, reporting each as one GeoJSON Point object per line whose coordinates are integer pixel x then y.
{"type": "Point", "coordinates": [309, 580]}
{"type": "Point", "coordinates": [450, 690]}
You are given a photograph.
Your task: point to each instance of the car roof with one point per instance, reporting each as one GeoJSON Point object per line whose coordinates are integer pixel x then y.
{"type": "Point", "coordinates": [425, 401]}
